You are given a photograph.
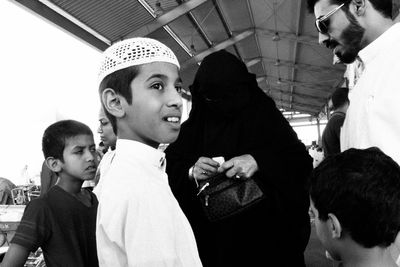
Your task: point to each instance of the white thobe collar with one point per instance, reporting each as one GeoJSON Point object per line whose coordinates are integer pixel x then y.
{"type": "Point", "coordinates": [141, 152]}
{"type": "Point", "coordinates": [368, 53]}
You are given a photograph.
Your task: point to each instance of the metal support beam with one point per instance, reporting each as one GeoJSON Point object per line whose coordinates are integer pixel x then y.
{"type": "Point", "coordinates": [253, 62]}
{"type": "Point", "coordinates": [293, 72]}
{"type": "Point", "coordinates": [321, 87]}
{"type": "Point", "coordinates": [312, 107]}
{"type": "Point", "coordinates": [299, 66]}
{"type": "Point", "coordinates": [199, 57]}
{"type": "Point", "coordinates": [197, 26]}
{"type": "Point", "coordinates": [304, 120]}
{"type": "Point", "coordinates": [304, 39]}
{"type": "Point", "coordinates": [306, 96]}
{"type": "Point", "coordinates": [319, 131]}
{"type": "Point", "coordinates": [166, 18]}
{"type": "Point", "coordinates": [298, 108]}
{"type": "Point", "coordinates": [248, 3]}
{"type": "Point", "coordinates": [226, 26]}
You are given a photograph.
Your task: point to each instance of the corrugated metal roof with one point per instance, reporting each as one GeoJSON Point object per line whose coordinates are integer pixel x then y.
{"type": "Point", "coordinates": [276, 38]}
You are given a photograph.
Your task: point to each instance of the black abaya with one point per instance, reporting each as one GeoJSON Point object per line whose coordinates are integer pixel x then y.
{"type": "Point", "coordinates": [230, 117]}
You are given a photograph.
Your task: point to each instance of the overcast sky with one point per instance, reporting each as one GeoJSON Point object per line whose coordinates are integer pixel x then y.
{"type": "Point", "coordinates": [46, 74]}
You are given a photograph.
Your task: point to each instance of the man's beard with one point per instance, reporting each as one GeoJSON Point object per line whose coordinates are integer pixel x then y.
{"type": "Point", "coordinates": [352, 37]}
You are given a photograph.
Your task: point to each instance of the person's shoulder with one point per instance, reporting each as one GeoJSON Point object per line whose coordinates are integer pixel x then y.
{"type": "Point", "coordinates": [40, 201]}
{"type": "Point", "coordinates": [337, 117]}
{"type": "Point", "coordinates": [116, 187]}
{"type": "Point", "coordinates": [91, 195]}
{"type": "Point", "coordinates": [53, 191]}
{"type": "Point", "coordinates": [37, 207]}
{"type": "Point", "coordinates": [108, 157]}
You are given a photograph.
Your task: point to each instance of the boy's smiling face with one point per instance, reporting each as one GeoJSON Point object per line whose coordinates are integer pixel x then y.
{"type": "Point", "coordinates": [79, 158]}
{"type": "Point", "coordinates": [154, 116]}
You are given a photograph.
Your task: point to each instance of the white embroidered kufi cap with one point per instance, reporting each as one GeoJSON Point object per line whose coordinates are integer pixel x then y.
{"type": "Point", "coordinates": [133, 52]}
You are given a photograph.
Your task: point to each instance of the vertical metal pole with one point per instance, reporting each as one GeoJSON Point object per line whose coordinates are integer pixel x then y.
{"type": "Point", "coordinates": [319, 131]}
{"type": "Point", "coordinates": [327, 112]}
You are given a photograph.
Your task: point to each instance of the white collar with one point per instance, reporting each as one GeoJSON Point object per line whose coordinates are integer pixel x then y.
{"type": "Point", "coordinates": [141, 152]}
{"type": "Point", "coordinates": [368, 53]}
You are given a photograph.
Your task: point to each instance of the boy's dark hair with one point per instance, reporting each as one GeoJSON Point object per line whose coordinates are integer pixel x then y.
{"type": "Point", "coordinates": [395, 8]}
{"type": "Point", "coordinates": [361, 188]}
{"type": "Point", "coordinates": [383, 6]}
{"type": "Point", "coordinates": [120, 81]}
{"type": "Point", "coordinates": [340, 97]}
{"type": "Point", "coordinates": [56, 135]}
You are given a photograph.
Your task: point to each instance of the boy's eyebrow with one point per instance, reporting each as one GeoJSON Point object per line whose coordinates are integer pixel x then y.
{"type": "Point", "coordinates": [77, 147]}
{"type": "Point", "coordinates": [82, 147]}
{"type": "Point", "coordinates": [162, 76]}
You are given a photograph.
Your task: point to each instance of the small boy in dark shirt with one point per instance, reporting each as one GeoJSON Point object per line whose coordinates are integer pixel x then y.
{"type": "Point", "coordinates": [356, 204]}
{"type": "Point", "coordinates": [62, 222]}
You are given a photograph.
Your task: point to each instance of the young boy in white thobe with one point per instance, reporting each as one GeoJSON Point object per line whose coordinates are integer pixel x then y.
{"type": "Point", "coordinates": [139, 221]}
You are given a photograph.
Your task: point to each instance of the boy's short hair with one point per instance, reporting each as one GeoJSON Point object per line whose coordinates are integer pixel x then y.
{"type": "Point", "coordinates": [362, 189]}
{"type": "Point", "coordinates": [120, 65]}
{"type": "Point", "coordinates": [56, 135]}
{"type": "Point", "coordinates": [120, 81]}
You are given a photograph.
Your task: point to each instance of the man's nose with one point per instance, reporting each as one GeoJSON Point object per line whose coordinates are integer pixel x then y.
{"type": "Point", "coordinates": [322, 38]}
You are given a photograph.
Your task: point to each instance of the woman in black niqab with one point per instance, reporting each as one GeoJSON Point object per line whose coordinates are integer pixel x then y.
{"type": "Point", "coordinates": [232, 117]}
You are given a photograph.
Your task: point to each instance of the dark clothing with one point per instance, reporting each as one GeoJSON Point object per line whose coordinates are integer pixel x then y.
{"type": "Point", "coordinates": [331, 134]}
{"type": "Point", "coordinates": [231, 117]}
{"type": "Point", "coordinates": [48, 178]}
{"type": "Point", "coordinates": [62, 226]}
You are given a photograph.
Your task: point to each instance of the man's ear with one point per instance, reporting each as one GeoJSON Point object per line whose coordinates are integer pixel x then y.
{"type": "Point", "coordinates": [53, 164]}
{"type": "Point", "coordinates": [113, 102]}
{"type": "Point", "coordinates": [334, 226]}
{"type": "Point", "coordinates": [359, 7]}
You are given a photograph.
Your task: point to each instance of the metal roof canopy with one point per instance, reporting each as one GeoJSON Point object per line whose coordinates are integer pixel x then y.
{"type": "Point", "coordinates": [275, 38]}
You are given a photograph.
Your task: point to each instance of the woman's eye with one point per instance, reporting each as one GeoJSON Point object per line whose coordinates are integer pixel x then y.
{"type": "Point", "coordinates": [179, 88]}
{"type": "Point", "coordinates": [103, 122]}
{"type": "Point", "coordinates": [157, 86]}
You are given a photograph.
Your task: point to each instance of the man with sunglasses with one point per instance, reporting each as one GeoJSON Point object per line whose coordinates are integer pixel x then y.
{"type": "Point", "coordinates": [365, 30]}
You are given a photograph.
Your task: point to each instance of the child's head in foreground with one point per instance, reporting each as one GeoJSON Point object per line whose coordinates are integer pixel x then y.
{"type": "Point", "coordinates": [69, 150]}
{"type": "Point", "coordinates": [355, 196]}
{"type": "Point", "coordinates": [140, 91]}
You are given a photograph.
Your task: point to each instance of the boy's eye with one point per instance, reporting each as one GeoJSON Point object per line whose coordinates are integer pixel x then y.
{"type": "Point", "coordinates": [78, 151]}
{"type": "Point", "coordinates": [157, 86]}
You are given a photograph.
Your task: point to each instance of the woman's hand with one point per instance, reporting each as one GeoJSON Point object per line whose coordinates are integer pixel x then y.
{"type": "Point", "coordinates": [205, 168]}
{"type": "Point", "coordinates": [239, 167]}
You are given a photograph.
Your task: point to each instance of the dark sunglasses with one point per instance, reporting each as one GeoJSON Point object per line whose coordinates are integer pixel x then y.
{"type": "Point", "coordinates": [321, 22]}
